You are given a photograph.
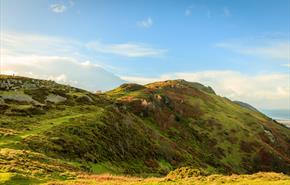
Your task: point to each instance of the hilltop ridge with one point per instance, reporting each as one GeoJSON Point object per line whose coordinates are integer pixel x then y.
{"type": "Point", "coordinates": [133, 129]}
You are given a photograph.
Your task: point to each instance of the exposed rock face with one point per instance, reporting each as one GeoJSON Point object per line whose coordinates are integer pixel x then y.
{"type": "Point", "coordinates": [21, 96]}
{"type": "Point", "coordinates": [55, 98]}
{"type": "Point", "coordinates": [18, 96]}
{"type": "Point", "coordinates": [270, 136]}
{"type": "Point", "coordinates": [15, 83]}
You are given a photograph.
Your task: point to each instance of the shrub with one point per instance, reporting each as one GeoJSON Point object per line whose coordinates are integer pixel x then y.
{"type": "Point", "coordinates": [186, 172]}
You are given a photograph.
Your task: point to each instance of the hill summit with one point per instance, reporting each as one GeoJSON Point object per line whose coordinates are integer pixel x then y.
{"type": "Point", "coordinates": [52, 129]}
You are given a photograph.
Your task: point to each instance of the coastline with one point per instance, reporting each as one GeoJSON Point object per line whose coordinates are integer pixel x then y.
{"type": "Point", "coordinates": [284, 122]}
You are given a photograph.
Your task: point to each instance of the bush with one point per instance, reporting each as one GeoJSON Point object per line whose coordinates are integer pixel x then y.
{"type": "Point", "coordinates": [186, 172]}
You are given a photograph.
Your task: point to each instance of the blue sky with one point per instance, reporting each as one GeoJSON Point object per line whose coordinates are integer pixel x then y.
{"type": "Point", "coordinates": [240, 47]}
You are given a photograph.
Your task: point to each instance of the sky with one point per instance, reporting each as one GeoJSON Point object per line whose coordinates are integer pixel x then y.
{"type": "Point", "coordinates": [240, 48]}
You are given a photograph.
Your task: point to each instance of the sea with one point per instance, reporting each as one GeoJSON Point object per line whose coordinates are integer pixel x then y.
{"type": "Point", "coordinates": [280, 114]}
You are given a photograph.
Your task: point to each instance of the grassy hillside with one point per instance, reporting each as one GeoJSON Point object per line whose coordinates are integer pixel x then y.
{"type": "Point", "coordinates": [209, 131]}
{"type": "Point", "coordinates": [51, 132]}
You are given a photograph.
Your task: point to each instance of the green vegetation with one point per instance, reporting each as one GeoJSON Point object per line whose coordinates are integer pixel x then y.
{"type": "Point", "coordinates": [56, 134]}
{"type": "Point", "coordinates": [196, 179]}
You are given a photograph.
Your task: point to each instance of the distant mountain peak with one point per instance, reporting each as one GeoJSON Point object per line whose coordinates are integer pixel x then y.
{"type": "Point", "coordinates": [246, 105]}
{"type": "Point", "coordinates": [180, 83]}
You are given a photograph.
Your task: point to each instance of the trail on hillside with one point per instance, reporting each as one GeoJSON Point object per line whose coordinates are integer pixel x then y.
{"type": "Point", "coordinates": [43, 126]}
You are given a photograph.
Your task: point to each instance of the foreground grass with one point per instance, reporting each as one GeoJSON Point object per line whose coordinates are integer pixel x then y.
{"type": "Point", "coordinates": [254, 179]}
{"type": "Point", "coordinates": [183, 176]}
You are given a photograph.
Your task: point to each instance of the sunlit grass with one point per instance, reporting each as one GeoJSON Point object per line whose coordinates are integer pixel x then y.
{"type": "Point", "coordinates": [107, 179]}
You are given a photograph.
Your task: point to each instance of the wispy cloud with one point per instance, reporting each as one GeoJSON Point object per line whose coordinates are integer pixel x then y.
{"type": "Point", "coordinates": [62, 6]}
{"type": "Point", "coordinates": [226, 12]}
{"type": "Point", "coordinates": [58, 8]}
{"type": "Point", "coordinates": [266, 48]}
{"type": "Point", "coordinates": [65, 70]}
{"type": "Point", "coordinates": [202, 9]}
{"type": "Point", "coordinates": [126, 49]}
{"type": "Point", "coordinates": [147, 23]}
{"type": "Point", "coordinates": [22, 44]}
{"type": "Point", "coordinates": [262, 90]}
{"type": "Point", "coordinates": [62, 59]}
{"type": "Point", "coordinates": [55, 58]}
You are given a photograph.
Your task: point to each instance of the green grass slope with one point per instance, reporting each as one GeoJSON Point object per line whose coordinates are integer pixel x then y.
{"type": "Point", "coordinates": [51, 132]}
{"type": "Point", "coordinates": [207, 130]}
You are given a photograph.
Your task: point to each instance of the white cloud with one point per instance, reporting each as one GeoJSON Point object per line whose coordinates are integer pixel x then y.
{"type": "Point", "coordinates": [277, 49]}
{"type": "Point", "coordinates": [48, 57]}
{"type": "Point", "coordinates": [147, 23]}
{"type": "Point", "coordinates": [22, 43]}
{"type": "Point", "coordinates": [54, 58]}
{"type": "Point", "coordinates": [126, 49]}
{"type": "Point", "coordinates": [226, 12]}
{"type": "Point", "coordinates": [60, 79]}
{"type": "Point", "coordinates": [63, 70]}
{"type": "Point", "coordinates": [62, 7]}
{"type": "Point", "coordinates": [263, 91]}
{"type": "Point", "coordinates": [58, 8]}
{"type": "Point", "coordinates": [287, 65]}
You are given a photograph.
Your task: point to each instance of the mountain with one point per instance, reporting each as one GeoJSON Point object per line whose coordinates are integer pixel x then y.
{"type": "Point", "coordinates": [246, 105]}
{"type": "Point", "coordinates": [48, 130]}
